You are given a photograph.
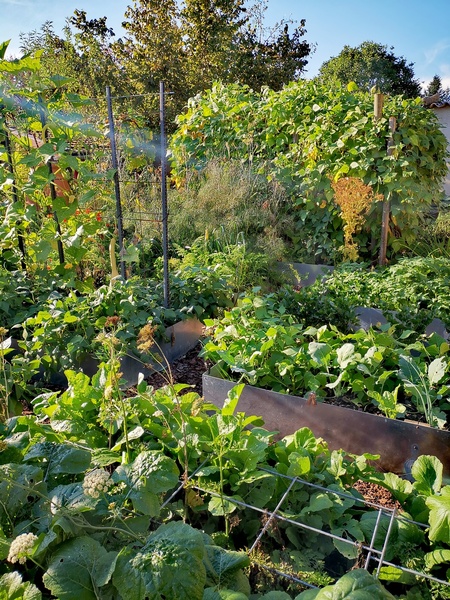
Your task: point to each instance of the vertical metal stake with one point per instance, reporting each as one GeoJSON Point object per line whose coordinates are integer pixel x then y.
{"type": "Point", "coordinates": [165, 237]}
{"type": "Point", "coordinates": [52, 187]}
{"type": "Point", "coordinates": [372, 541]}
{"type": "Point", "coordinates": [112, 139]}
{"type": "Point", "coordinates": [20, 239]}
{"type": "Point", "coordinates": [386, 541]}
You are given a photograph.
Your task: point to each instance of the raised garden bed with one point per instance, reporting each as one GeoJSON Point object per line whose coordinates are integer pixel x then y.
{"type": "Point", "coordinates": [398, 443]}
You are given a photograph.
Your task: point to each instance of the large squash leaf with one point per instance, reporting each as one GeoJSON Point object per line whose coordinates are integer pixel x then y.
{"type": "Point", "coordinates": [78, 568]}
{"type": "Point", "coordinates": [169, 566]}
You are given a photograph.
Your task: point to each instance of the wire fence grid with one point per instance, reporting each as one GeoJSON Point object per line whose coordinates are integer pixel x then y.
{"type": "Point", "coordinates": [372, 555]}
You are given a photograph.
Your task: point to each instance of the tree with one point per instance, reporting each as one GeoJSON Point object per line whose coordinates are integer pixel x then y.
{"type": "Point", "coordinates": [371, 65]}
{"type": "Point", "coordinates": [434, 86]}
{"type": "Point", "coordinates": [188, 45]}
{"type": "Point", "coordinates": [84, 55]}
{"type": "Point", "coordinates": [193, 44]}
{"type": "Point", "coordinates": [281, 57]}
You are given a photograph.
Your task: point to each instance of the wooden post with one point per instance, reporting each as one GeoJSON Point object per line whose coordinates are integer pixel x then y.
{"type": "Point", "coordinates": [378, 100]}
{"type": "Point", "coordinates": [386, 203]}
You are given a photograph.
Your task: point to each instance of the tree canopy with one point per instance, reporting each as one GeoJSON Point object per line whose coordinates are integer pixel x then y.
{"type": "Point", "coordinates": [189, 45]}
{"type": "Point", "coordinates": [434, 86]}
{"type": "Point", "coordinates": [371, 65]}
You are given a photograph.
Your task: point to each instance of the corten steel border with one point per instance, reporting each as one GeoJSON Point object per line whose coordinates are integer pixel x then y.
{"type": "Point", "coordinates": [397, 442]}
{"type": "Point", "coordinates": [182, 337]}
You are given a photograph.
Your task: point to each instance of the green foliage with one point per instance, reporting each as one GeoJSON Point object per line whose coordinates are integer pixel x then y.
{"type": "Point", "coordinates": [12, 588]}
{"type": "Point", "coordinates": [410, 292]}
{"type": "Point", "coordinates": [356, 584]}
{"type": "Point", "coordinates": [169, 565]}
{"type": "Point", "coordinates": [263, 344]}
{"type": "Point", "coordinates": [192, 44]}
{"type": "Point", "coordinates": [228, 200]}
{"type": "Point", "coordinates": [434, 86]}
{"type": "Point", "coordinates": [79, 568]}
{"type": "Point", "coordinates": [371, 65]}
{"type": "Point", "coordinates": [96, 530]}
{"type": "Point", "coordinates": [332, 134]}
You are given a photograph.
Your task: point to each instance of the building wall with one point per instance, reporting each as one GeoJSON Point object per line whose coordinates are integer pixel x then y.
{"type": "Point", "coordinates": [443, 115]}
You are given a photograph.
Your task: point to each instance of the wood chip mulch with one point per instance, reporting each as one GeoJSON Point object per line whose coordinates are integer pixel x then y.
{"type": "Point", "coordinates": [372, 492]}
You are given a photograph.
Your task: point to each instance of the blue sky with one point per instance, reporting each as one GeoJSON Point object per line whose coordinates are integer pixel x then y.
{"type": "Point", "coordinates": [417, 29]}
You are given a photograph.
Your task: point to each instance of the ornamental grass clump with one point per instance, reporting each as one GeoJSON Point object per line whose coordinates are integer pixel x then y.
{"type": "Point", "coordinates": [354, 198]}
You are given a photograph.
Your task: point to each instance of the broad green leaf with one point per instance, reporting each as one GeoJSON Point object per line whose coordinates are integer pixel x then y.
{"type": "Point", "coordinates": [232, 400]}
{"type": "Point", "coordinates": [319, 352]}
{"type": "Point", "coordinates": [357, 584]}
{"type": "Point", "coordinates": [170, 565]}
{"type": "Point", "coordinates": [13, 588]}
{"type": "Point", "coordinates": [299, 465]}
{"type": "Point", "coordinates": [133, 434]}
{"type": "Point", "coordinates": [60, 458]}
{"type": "Point", "coordinates": [319, 501]}
{"type": "Point", "coordinates": [345, 354]}
{"type": "Point", "coordinates": [400, 488]}
{"type": "Point", "coordinates": [151, 473]}
{"type": "Point", "coordinates": [77, 568]}
{"type": "Point", "coordinates": [224, 569]}
{"type": "Point", "coordinates": [397, 575]}
{"type": "Point", "coordinates": [439, 506]}
{"type": "Point", "coordinates": [437, 557]}
{"type": "Point", "coordinates": [436, 370]}
{"type": "Point", "coordinates": [71, 497]}
{"type": "Point", "coordinates": [60, 80]}
{"type": "Point", "coordinates": [219, 506]}
{"type": "Point", "coordinates": [427, 474]}
{"type": "Point", "coordinates": [17, 483]}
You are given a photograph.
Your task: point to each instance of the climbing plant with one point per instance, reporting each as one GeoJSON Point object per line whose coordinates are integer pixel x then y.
{"type": "Point", "coordinates": [307, 136]}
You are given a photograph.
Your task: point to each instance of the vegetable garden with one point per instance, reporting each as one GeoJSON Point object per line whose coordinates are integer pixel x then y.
{"type": "Point", "coordinates": [111, 491]}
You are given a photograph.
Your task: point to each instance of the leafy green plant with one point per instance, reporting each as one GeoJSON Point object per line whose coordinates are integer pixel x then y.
{"type": "Point", "coordinates": [410, 292]}
{"type": "Point", "coordinates": [388, 402]}
{"type": "Point", "coordinates": [422, 386]}
{"type": "Point", "coordinates": [333, 135]}
{"type": "Point", "coordinates": [358, 582]}
{"type": "Point", "coordinates": [261, 343]}
{"type": "Point", "coordinates": [68, 490]}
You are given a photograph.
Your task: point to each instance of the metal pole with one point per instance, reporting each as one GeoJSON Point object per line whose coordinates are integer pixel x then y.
{"type": "Point", "coordinates": [20, 239]}
{"type": "Point", "coordinates": [112, 139]}
{"type": "Point", "coordinates": [52, 187]}
{"type": "Point", "coordinates": [165, 237]}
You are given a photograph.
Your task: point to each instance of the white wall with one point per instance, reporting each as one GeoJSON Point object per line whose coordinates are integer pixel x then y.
{"type": "Point", "coordinates": [443, 115]}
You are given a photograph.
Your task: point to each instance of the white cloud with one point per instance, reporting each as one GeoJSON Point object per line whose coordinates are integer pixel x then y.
{"type": "Point", "coordinates": [435, 51]}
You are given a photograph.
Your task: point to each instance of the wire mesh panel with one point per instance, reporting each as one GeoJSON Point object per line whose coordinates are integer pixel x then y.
{"type": "Point", "coordinates": [286, 523]}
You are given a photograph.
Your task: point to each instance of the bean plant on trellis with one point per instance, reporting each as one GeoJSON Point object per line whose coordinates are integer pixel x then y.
{"type": "Point", "coordinates": [308, 135]}
{"type": "Point", "coordinates": [47, 184]}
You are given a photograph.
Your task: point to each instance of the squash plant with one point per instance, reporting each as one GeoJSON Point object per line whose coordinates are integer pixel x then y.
{"type": "Point", "coordinates": [79, 516]}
